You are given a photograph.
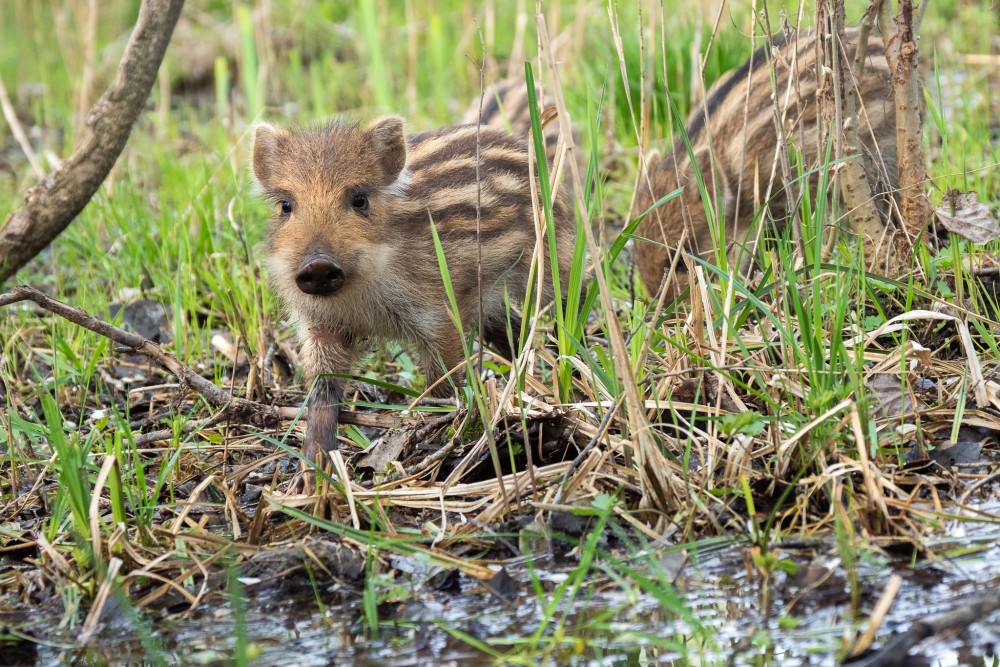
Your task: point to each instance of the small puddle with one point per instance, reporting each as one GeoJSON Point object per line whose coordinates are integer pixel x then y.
{"type": "Point", "coordinates": [605, 624]}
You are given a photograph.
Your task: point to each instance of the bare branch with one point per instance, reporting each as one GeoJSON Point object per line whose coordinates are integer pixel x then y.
{"type": "Point", "coordinates": [867, 22]}
{"type": "Point", "coordinates": [976, 608]}
{"type": "Point", "coordinates": [918, 19]}
{"type": "Point", "coordinates": [250, 412]}
{"type": "Point", "coordinates": [883, 9]}
{"type": "Point", "coordinates": [232, 408]}
{"type": "Point", "coordinates": [840, 97]}
{"type": "Point", "coordinates": [52, 204]}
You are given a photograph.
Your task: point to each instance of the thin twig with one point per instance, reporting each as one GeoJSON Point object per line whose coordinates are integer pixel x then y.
{"type": "Point", "coordinates": [256, 414]}
{"type": "Point", "coordinates": [989, 479]}
{"type": "Point", "coordinates": [57, 199]}
{"type": "Point", "coordinates": [267, 375]}
{"type": "Point", "coordinates": [434, 424]}
{"type": "Point", "coordinates": [867, 23]}
{"type": "Point", "coordinates": [190, 426]}
{"type": "Point", "coordinates": [585, 452]}
{"type": "Point", "coordinates": [896, 650]}
{"type": "Point", "coordinates": [439, 455]}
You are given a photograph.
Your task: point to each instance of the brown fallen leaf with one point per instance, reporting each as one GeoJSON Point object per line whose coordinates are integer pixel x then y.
{"type": "Point", "coordinates": [385, 451]}
{"type": "Point", "coordinates": [963, 214]}
{"type": "Point", "coordinates": [891, 396]}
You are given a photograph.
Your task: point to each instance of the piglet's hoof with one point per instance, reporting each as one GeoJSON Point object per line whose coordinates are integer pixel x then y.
{"type": "Point", "coordinates": [301, 484]}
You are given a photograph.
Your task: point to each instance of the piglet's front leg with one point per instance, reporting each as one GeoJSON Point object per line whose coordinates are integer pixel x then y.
{"type": "Point", "coordinates": [322, 419]}
{"type": "Point", "coordinates": [324, 351]}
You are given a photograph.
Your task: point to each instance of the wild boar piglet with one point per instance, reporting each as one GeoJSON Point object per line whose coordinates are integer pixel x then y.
{"type": "Point", "coordinates": [734, 132]}
{"type": "Point", "coordinates": [351, 254]}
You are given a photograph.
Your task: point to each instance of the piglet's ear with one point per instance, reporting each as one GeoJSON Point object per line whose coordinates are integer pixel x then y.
{"type": "Point", "coordinates": [265, 148]}
{"type": "Point", "coordinates": [390, 145]}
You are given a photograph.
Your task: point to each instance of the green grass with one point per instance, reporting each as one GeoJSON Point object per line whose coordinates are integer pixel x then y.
{"type": "Point", "coordinates": [177, 223]}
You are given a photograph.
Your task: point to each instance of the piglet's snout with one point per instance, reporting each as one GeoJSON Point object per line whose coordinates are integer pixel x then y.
{"type": "Point", "coordinates": [319, 275]}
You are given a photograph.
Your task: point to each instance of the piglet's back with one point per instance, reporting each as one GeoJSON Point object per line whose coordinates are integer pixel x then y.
{"type": "Point", "coordinates": [734, 130]}
{"type": "Point", "coordinates": [444, 186]}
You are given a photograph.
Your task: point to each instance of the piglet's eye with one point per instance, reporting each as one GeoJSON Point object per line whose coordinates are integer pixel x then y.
{"type": "Point", "coordinates": [285, 206]}
{"type": "Point", "coordinates": [360, 202]}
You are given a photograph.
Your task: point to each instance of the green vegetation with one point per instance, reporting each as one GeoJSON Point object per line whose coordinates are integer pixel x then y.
{"type": "Point", "coordinates": [760, 415]}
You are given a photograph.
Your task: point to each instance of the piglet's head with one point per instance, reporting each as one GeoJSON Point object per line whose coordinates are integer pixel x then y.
{"type": "Point", "coordinates": [329, 189]}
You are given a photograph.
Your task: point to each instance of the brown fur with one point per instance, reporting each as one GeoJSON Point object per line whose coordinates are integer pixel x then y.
{"type": "Point", "coordinates": [741, 138]}
{"type": "Point", "coordinates": [392, 287]}
{"type": "Point", "coordinates": [505, 105]}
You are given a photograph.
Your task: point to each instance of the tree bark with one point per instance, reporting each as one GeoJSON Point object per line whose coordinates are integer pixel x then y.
{"type": "Point", "coordinates": [901, 52]}
{"type": "Point", "coordinates": [840, 107]}
{"type": "Point", "coordinates": [52, 204]}
{"type": "Point", "coordinates": [896, 649]}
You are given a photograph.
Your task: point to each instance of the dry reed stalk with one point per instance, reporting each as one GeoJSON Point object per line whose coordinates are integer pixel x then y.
{"type": "Point", "coordinates": [870, 473]}
{"type": "Point", "coordinates": [412, 54]}
{"type": "Point", "coordinates": [517, 56]}
{"type": "Point", "coordinates": [264, 41]}
{"type": "Point", "coordinates": [94, 512]}
{"type": "Point", "coordinates": [55, 558]}
{"type": "Point", "coordinates": [86, 20]}
{"type": "Point", "coordinates": [662, 487]}
{"type": "Point", "coordinates": [18, 131]}
{"type": "Point", "coordinates": [234, 516]}
{"type": "Point", "coordinates": [100, 600]}
{"type": "Point", "coordinates": [345, 481]}
{"type": "Point", "coordinates": [974, 366]}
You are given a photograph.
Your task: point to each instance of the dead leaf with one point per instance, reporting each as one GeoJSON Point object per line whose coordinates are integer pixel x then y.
{"type": "Point", "coordinates": [225, 347]}
{"type": "Point", "coordinates": [963, 214]}
{"type": "Point", "coordinates": [385, 451]}
{"type": "Point", "coordinates": [147, 318]}
{"type": "Point", "coordinates": [891, 397]}
{"type": "Point", "coordinates": [503, 587]}
{"type": "Point", "coordinates": [924, 354]}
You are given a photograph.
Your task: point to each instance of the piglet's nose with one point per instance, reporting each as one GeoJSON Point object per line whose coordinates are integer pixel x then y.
{"type": "Point", "coordinates": [319, 275]}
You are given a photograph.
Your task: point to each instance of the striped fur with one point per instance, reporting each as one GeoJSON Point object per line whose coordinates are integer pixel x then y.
{"type": "Point", "coordinates": [739, 132]}
{"type": "Point", "coordinates": [505, 105]}
{"type": "Point", "coordinates": [392, 288]}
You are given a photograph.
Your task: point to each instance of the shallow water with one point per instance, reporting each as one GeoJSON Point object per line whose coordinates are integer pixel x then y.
{"type": "Point", "coordinates": [604, 625]}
